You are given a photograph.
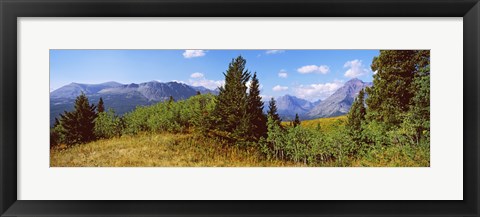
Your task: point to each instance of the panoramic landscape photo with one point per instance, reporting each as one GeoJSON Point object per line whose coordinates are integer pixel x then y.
{"type": "Point", "coordinates": [239, 108]}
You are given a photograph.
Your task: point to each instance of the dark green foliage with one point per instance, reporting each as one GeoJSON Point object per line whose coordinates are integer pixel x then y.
{"type": "Point", "coordinates": [78, 124]}
{"type": "Point", "coordinates": [231, 112]}
{"type": "Point", "coordinates": [393, 84]}
{"type": "Point", "coordinates": [356, 117]}
{"type": "Point", "coordinates": [100, 106]}
{"type": "Point", "coordinates": [419, 113]}
{"type": "Point", "coordinates": [272, 112]}
{"type": "Point", "coordinates": [170, 99]}
{"type": "Point", "coordinates": [56, 122]}
{"type": "Point", "coordinates": [399, 101]}
{"type": "Point", "coordinates": [198, 93]}
{"type": "Point", "coordinates": [258, 120]}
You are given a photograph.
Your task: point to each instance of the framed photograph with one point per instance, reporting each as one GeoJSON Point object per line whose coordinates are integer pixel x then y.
{"type": "Point", "coordinates": [255, 108]}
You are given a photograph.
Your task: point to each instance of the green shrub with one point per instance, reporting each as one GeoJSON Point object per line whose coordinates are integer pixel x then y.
{"type": "Point", "coordinates": [181, 116]}
{"type": "Point", "coordinates": [309, 146]}
{"type": "Point", "coordinates": [108, 125]}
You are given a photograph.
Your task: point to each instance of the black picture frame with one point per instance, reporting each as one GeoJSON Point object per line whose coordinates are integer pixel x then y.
{"type": "Point", "coordinates": [10, 10]}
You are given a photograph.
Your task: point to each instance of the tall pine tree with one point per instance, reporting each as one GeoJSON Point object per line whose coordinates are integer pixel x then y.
{"type": "Point", "coordinates": [258, 120]}
{"type": "Point", "coordinates": [231, 111]}
{"type": "Point", "coordinates": [399, 101]}
{"type": "Point", "coordinates": [272, 111]}
{"type": "Point", "coordinates": [418, 116]}
{"type": "Point", "coordinates": [79, 124]}
{"type": "Point", "coordinates": [356, 116]}
{"type": "Point", "coordinates": [100, 106]}
{"type": "Point", "coordinates": [393, 84]}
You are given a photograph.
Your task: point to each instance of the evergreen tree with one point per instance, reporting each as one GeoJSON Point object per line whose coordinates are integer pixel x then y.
{"type": "Point", "coordinates": [296, 122]}
{"type": "Point", "coordinates": [170, 99]}
{"type": "Point", "coordinates": [56, 123]}
{"type": "Point", "coordinates": [231, 111]}
{"type": "Point", "coordinates": [419, 114]}
{"type": "Point", "coordinates": [100, 106]}
{"type": "Point", "coordinates": [399, 101]}
{"type": "Point", "coordinates": [356, 116]}
{"type": "Point", "coordinates": [272, 111]}
{"type": "Point", "coordinates": [258, 120]}
{"type": "Point", "coordinates": [79, 123]}
{"type": "Point", "coordinates": [198, 93]}
{"type": "Point", "coordinates": [393, 84]}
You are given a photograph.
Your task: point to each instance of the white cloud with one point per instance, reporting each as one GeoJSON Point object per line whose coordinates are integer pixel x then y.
{"type": "Point", "coordinates": [375, 72]}
{"type": "Point", "coordinates": [282, 74]}
{"type": "Point", "coordinates": [355, 69]}
{"type": "Point", "coordinates": [317, 91]}
{"type": "Point", "coordinates": [279, 88]}
{"type": "Point", "coordinates": [210, 84]}
{"type": "Point", "coordinates": [274, 51]}
{"type": "Point", "coordinates": [266, 98]}
{"type": "Point", "coordinates": [193, 53]}
{"type": "Point", "coordinates": [196, 75]}
{"type": "Point", "coordinates": [198, 79]}
{"type": "Point", "coordinates": [322, 69]}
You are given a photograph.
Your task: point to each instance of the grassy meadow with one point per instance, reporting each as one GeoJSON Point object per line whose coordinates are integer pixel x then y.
{"type": "Point", "coordinates": [191, 149]}
{"type": "Point", "coordinates": [160, 150]}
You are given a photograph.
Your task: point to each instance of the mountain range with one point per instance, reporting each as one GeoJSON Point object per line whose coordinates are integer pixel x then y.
{"type": "Point", "coordinates": [288, 106]}
{"type": "Point", "coordinates": [121, 97]}
{"type": "Point", "coordinates": [337, 104]}
{"type": "Point", "coordinates": [126, 97]}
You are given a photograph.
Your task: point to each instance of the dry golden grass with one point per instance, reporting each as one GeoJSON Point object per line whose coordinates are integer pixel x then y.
{"type": "Point", "coordinates": [326, 124]}
{"type": "Point", "coordinates": [160, 150]}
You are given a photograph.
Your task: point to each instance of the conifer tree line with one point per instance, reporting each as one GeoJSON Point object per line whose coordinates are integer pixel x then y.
{"type": "Point", "coordinates": [396, 109]}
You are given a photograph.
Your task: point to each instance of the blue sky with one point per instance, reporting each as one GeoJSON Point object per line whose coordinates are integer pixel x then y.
{"type": "Point", "coordinates": [308, 74]}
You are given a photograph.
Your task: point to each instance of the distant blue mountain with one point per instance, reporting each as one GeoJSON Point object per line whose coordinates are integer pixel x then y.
{"type": "Point", "coordinates": [288, 106]}
{"type": "Point", "coordinates": [72, 90]}
{"type": "Point", "coordinates": [121, 97]}
{"type": "Point", "coordinates": [339, 103]}
{"type": "Point", "coordinates": [204, 90]}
